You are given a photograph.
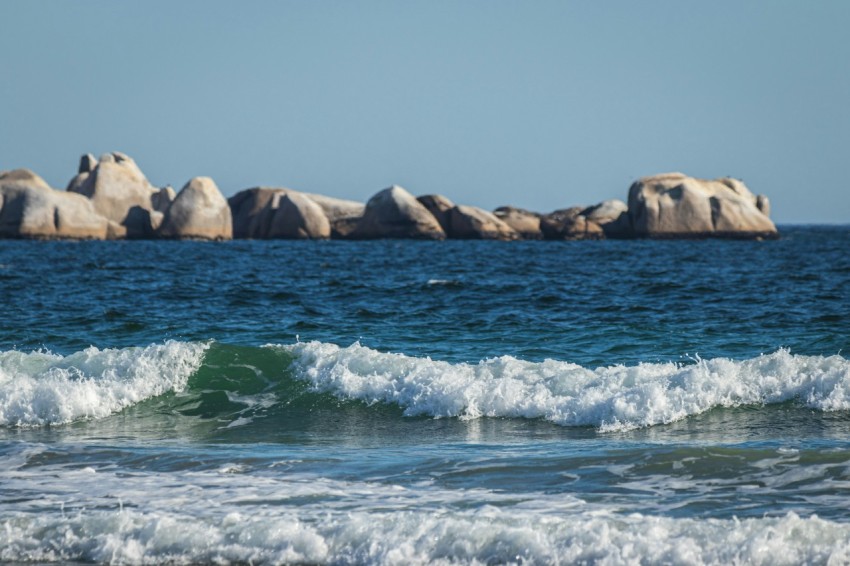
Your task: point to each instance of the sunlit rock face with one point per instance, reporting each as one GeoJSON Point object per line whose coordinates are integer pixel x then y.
{"type": "Point", "coordinates": [121, 193]}
{"type": "Point", "coordinates": [674, 205]}
{"type": "Point", "coordinates": [29, 208]}
{"type": "Point", "coordinates": [395, 213]}
{"type": "Point", "coordinates": [199, 212]}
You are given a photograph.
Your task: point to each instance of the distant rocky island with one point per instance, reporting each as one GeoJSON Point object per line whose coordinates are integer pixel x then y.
{"type": "Point", "coordinates": [111, 199]}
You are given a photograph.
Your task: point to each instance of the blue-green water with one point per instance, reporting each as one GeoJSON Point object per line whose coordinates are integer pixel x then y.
{"type": "Point", "coordinates": [426, 402]}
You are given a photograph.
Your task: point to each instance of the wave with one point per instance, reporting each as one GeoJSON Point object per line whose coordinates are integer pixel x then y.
{"type": "Point", "coordinates": [239, 384]}
{"type": "Point", "coordinates": [613, 398]}
{"type": "Point", "coordinates": [322, 521]}
{"type": "Point", "coordinates": [41, 388]}
{"type": "Point", "coordinates": [422, 537]}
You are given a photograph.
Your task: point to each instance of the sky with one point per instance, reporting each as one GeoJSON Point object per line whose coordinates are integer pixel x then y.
{"type": "Point", "coordinates": [542, 105]}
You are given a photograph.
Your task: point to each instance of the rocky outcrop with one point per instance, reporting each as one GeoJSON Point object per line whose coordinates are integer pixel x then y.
{"type": "Point", "coordinates": [674, 205]}
{"type": "Point", "coordinates": [612, 216]}
{"type": "Point", "coordinates": [472, 223]}
{"type": "Point", "coordinates": [120, 192]}
{"type": "Point", "coordinates": [111, 198]}
{"type": "Point", "coordinates": [395, 213]}
{"type": "Point", "coordinates": [570, 224]}
{"type": "Point", "coordinates": [29, 208]}
{"type": "Point", "coordinates": [439, 206]}
{"type": "Point", "coordinates": [344, 215]}
{"type": "Point", "coordinates": [199, 212]}
{"type": "Point", "coordinates": [254, 211]}
{"type": "Point", "coordinates": [297, 217]}
{"type": "Point", "coordinates": [524, 222]}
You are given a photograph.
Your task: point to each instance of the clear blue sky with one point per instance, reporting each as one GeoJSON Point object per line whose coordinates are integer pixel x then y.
{"type": "Point", "coordinates": [538, 104]}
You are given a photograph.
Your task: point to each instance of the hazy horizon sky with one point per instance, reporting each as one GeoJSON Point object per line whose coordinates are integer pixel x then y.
{"type": "Point", "coordinates": [542, 105]}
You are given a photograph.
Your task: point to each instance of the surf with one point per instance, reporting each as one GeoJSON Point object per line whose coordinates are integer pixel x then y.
{"type": "Point", "coordinates": [237, 384]}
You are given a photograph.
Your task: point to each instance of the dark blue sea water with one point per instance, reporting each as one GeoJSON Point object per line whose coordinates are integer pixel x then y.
{"type": "Point", "coordinates": [398, 402]}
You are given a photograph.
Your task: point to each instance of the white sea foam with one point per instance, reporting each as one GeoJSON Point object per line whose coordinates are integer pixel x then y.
{"type": "Point", "coordinates": [225, 517]}
{"type": "Point", "coordinates": [612, 398]}
{"type": "Point", "coordinates": [444, 282]}
{"type": "Point", "coordinates": [40, 388]}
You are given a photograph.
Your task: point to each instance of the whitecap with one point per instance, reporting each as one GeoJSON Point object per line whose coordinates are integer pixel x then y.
{"type": "Point", "coordinates": [42, 388]}
{"type": "Point", "coordinates": [613, 398]}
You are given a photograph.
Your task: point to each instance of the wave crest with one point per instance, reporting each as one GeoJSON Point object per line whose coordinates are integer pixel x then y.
{"type": "Point", "coordinates": [614, 398]}
{"type": "Point", "coordinates": [41, 388]}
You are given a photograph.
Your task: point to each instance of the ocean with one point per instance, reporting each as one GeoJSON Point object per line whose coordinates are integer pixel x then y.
{"type": "Point", "coordinates": [407, 402]}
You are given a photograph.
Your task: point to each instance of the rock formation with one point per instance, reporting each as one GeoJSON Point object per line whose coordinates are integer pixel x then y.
{"type": "Point", "coordinates": [111, 198]}
{"type": "Point", "coordinates": [569, 224]}
{"type": "Point", "coordinates": [298, 217]}
{"type": "Point", "coordinates": [674, 205]}
{"type": "Point", "coordinates": [199, 212]}
{"type": "Point", "coordinates": [120, 192]}
{"type": "Point", "coordinates": [29, 208]}
{"type": "Point", "coordinates": [612, 216]}
{"type": "Point", "coordinates": [254, 211]}
{"type": "Point", "coordinates": [344, 215]}
{"type": "Point", "coordinates": [395, 213]}
{"type": "Point", "coordinates": [472, 223]}
{"type": "Point", "coordinates": [524, 222]}
{"type": "Point", "coordinates": [439, 206]}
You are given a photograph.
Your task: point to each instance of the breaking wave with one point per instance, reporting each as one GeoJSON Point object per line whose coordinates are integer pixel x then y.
{"type": "Point", "coordinates": [612, 398]}
{"type": "Point", "coordinates": [363, 523]}
{"type": "Point", "coordinates": [41, 388]}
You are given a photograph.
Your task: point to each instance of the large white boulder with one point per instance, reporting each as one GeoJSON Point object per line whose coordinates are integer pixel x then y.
{"type": "Point", "coordinates": [29, 208]}
{"type": "Point", "coordinates": [674, 205]}
{"type": "Point", "coordinates": [199, 212]}
{"type": "Point", "coordinates": [120, 192]}
{"type": "Point", "coordinates": [395, 213]}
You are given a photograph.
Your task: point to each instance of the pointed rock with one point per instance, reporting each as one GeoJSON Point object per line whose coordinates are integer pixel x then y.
{"type": "Point", "coordinates": [199, 212]}
{"type": "Point", "coordinates": [87, 163]}
{"type": "Point", "coordinates": [119, 191]}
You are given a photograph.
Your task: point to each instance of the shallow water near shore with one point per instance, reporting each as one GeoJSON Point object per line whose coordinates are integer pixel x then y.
{"type": "Point", "coordinates": [426, 402]}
